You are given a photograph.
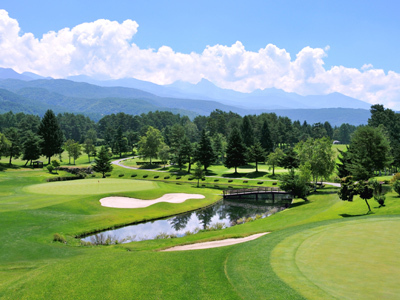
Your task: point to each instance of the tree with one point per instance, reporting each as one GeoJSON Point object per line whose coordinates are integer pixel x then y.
{"type": "Point", "coordinates": [198, 173]}
{"type": "Point", "coordinates": [347, 189]}
{"type": "Point", "coordinates": [256, 154]}
{"type": "Point", "coordinates": [274, 158]}
{"type": "Point", "coordinates": [204, 152]}
{"type": "Point", "coordinates": [120, 142]}
{"type": "Point", "coordinates": [345, 161]}
{"type": "Point", "coordinates": [68, 146]}
{"type": "Point", "coordinates": [319, 154]}
{"type": "Point", "coordinates": [4, 144]}
{"type": "Point", "coordinates": [14, 148]}
{"type": "Point", "coordinates": [103, 162]}
{"type": "Point", "coordinates": [89, 147]}
{"type": "Point", "coordinates": [219, 145]}
{"type": "Point", "coordinates": [266, 139]}
{"type": "Point", "coordinates": [31, 149]}
{"type": "Point", "coordinates": [396, 186]}
{"type": "Point", "coordinates": [51, 134]}
{"type": "Point", "coordinates": [186, 151]}
{"type": "Point", "coordinates": [370, 151]}
{"type": "Point", "coordinates": [365, 191]}
{"type": "Point", "coordinates": [150, 144]}
{"type": "Point", "coordinates": [235, 151]}
{"type": "Point", "coordinates": [246, 130]}
{"type": "Point", "coordinates": [163, 153]}
{"type": "Point", "coordinates": [76, 151]}
{"type": "Point", "coordinates": [289, 159]}
{"type": "Point", "coordinates": [297, 185]}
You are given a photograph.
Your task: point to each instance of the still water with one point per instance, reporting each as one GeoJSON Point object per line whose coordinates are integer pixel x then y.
{"type": "Point", "coordinates": [222, 214]}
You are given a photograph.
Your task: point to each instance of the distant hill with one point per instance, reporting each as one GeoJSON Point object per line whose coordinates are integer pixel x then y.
{"type": "Point", "coordinates": [36, 96]}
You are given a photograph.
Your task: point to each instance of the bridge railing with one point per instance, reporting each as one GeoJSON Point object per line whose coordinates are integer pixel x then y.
{"type": "Point", "coordinates": [232, 192]}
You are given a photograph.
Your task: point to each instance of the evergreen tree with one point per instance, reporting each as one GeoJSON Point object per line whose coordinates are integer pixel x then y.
{"type": "Point", "coordinates": [204, 152]}
{"type": "Point", "coordinates": [289, 159]}
{"type": "Point", "coordinates": [345, 161]}
{"type": "Point", "coordinates": [103, 162]}
{"type": "Point", "coordinates": [14, 149]}
{"type": "Point", "coordinates": [198, 173]}
{"type": "Point", "coordinates": [247, 132]}
{"type": "Point", "coordinates": [89, 147]}
{"type": "Point", "coordinates": [256, 154]}
{"type": "Point", "coordinates": [31, 149]}
{"type": "Point", "coordinates": [51, 134]}
{"type": "Point", "coordinates": [235, 151]}
{"type": "Point", "coordinates": [266, 139]}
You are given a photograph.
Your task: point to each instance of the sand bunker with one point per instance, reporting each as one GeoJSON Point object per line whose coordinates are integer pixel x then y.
{"type": "Point", "coordinates": [126, 202]}
{"type": "Point", "coordinates": [215, 244]}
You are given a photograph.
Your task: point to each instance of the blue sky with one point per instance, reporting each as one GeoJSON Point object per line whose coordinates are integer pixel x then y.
{"type": "Point", "coordinates": [358, 32]}
{"type": "Point", "coordinates": [325, 43]}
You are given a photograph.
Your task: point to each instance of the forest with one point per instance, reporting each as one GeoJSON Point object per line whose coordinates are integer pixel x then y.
{"type": "Point", "coordinates": [222, 137]}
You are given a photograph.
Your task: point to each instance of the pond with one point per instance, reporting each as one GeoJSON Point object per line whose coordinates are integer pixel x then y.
{"type": "Point", "coordinates": [221, 215]}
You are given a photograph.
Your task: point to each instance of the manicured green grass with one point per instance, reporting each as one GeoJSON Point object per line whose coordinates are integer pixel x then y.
{"type": "Point", "coordinates": [90, 187]}
{"type": "Point", "coordinates": [32, 266]}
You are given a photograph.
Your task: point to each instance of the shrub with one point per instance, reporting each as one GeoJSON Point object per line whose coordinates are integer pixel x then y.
{"type": "Point", "coordinates": [156, 176]}
{"type": "Point", "coordinates": [274, 183]}
{"type": "Point", "coordinates": [396, 186]}
{"type": "Point", "coordinates": [216, 226]}
{"type": "Point", "coordinates": [216, 180]}
{"type": "Point", "coordinates": [396, 177]}
{"type": "Point", "coordinates": [191, 178]}
{"type": "Point", "coordinates": [178, 177]}
{"type": "Point", "coordinates": [145, 176]}
{"type": "Point", "coordinates": [133, 175]}
{"type": "Point", "coordinates": [245, 181]}
{"type": "Point", "coordinates": [59, 238]}
{"type": "Point", "coordinates": [249, 219]}
{"type": "Point", "coordinates": [108, 175]}
{"type": "Point", "coordinates": [121, 175]}
{"type": "Point", "coordinates": [50, 168]}
{"type": "Point", "coordinates": [166, 177]}
{"type": "Point", "coordinates": [230, 180]}
{"type": "Point", "coordinates": [260, 182]}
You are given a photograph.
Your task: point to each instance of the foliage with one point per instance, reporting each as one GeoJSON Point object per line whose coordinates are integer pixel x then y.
{"type": "Point", "coordinates": [14, 146]}
{"type": "Point", "coordinates": [256, 154]}
{"type": "Point", "coordinates": [319, 154]}
{"type": "Point", "coordinates": [396, 186]}
{"type": "Point", "coordinates": [198, 172]}
{"type": "Point", "coordinates": [369, 151]}
{"type": "Point", "coordinates": [295, 184]}
{"type": "Point", "coordinates": [150, 143]}
{"type": "Point", "coordinates": [347, 189]}
{"type": "Point", "coordinates": [51, 134]}
{"type": "Point", "coordinates": [31, 148]}
{"type": "Point", "coordinates": [102, 162]}
{"type": "Point", "coordinates": [274, 158]}
{"type": "Point", "coordinates": [235, 151]}
{"type": "Point", "coordinates": [289, 159]}
{"type": "Point", "coordinates": [204, 152]}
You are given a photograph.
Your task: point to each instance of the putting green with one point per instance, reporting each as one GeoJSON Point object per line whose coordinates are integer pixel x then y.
{"type": "Point", "coordinates": [90, 187]}
{"type": "Point", "coordinates": [349, 260]}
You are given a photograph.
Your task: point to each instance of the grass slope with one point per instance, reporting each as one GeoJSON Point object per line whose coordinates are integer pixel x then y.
{"type": "Point", "coordinates": [285, 264]}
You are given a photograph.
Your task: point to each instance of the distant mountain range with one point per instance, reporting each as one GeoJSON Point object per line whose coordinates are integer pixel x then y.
{"type": "Point", "coordinates": [31, 93]}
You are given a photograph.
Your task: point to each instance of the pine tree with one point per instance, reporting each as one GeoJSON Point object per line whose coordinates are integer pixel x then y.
{"type": "Point", "coordinates": [247, 132]}
{"type": "Point", "coordinates": [51, 134]}
{"type": "Point", "coordinates": [204, 152]}
{"type": "Point", "coordinates": [256, 154]}
{"type": "Point", "coordinates": [266, 139]}
{"type": "Point", "coordinates": [235, 151]}
{"type": "Point", "coordinates": [31, 147]}
{"type": "Point", "coordinates": [102, 162]}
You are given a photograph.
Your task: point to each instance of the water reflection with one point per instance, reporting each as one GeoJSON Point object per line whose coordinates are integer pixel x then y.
{"type": "Point", "coordinates": [222, 214]}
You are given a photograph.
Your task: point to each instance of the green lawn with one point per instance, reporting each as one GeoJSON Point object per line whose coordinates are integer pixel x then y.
{"type": "Point", "coordinates": [321, 249]}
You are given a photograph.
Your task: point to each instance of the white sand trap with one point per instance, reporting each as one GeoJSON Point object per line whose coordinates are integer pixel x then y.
{"type": "Point", "coordinates": [126, 202]}
{"type": "Point", "coordinates": [215, 244]}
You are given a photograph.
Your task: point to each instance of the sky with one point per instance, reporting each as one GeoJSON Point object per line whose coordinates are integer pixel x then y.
{"type": "Point", "coordinates": [306, 47]}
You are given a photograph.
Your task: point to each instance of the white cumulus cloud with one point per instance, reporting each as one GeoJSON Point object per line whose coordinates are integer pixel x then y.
{"type": "Point", "coordinates": [104, 48]}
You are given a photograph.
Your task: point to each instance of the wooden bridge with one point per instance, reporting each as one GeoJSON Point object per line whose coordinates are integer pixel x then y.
{"type": "Point", "coordinates": [267, 195]}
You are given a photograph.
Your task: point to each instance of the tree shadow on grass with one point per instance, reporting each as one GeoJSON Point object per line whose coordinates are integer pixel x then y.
{"type": "Point", "coordinates": [234, 175]}
{"type": "Point", "coordinates": [358, 215]}
{"type": "Point", "coordinates": [256, 174]}
{"type": "Point", "coordinates": [299, 203]}
{"type": "Point", "coordinates": [6, 166]}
